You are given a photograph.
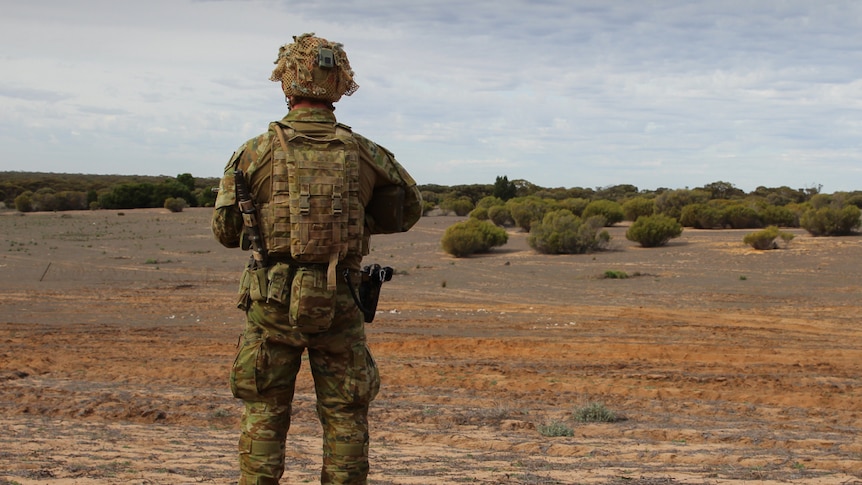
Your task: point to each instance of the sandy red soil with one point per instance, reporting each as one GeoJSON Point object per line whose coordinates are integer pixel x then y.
{"type": "Point", "coordinates": [725, 365]}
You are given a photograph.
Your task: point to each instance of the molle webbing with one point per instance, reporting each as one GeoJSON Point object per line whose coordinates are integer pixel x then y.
{"type": "Point", "coordinates": [316, 215]}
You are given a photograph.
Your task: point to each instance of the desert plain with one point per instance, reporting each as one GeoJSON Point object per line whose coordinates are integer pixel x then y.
{"type": "Point", "coordinates": [722, 364]}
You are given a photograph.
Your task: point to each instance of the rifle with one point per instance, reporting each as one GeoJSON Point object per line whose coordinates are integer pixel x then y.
{"type": "Point", "coordinates": [372, 278]}
{"type": "Point", "coordinates": [250, 221]}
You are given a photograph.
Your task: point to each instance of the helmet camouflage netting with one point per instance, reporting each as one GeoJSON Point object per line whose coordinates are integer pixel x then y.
{"type": "Point", "coordinates": [314, 67]}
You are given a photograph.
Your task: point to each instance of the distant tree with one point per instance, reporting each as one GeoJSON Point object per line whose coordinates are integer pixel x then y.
{"type": "Point", "coordinates": [616, 192]}
{"type": "Point", "coordinates": [722, 190]}
{"type": "Point", "coordinates": [503, 189]}
{"type": "Point", "coordinates": [129, 196]}
{"type": "Point", "coordinates": [671, 202]}
{"type": "Point", "coordinates": [187, 180]}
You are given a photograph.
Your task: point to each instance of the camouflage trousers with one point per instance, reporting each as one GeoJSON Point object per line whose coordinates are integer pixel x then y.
{"type": "Point", "coordinates": [346, 380]}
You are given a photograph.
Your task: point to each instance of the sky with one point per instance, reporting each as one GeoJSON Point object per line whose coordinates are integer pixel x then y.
{"type": "Point", "coordinates": [579, 93]}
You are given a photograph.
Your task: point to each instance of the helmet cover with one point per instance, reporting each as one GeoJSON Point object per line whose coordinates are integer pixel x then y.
{"type": "Point", "coordinates": [313, 67]}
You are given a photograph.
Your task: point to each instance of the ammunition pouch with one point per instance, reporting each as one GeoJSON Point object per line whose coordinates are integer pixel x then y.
{"type": "Point", "coordinates": [302, 289]}
{"type": "Point", "coordinates": [312, 303]}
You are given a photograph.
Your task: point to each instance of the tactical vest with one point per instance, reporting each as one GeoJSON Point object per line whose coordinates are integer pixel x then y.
{"type": "Point", "coordinates": [315, 215]}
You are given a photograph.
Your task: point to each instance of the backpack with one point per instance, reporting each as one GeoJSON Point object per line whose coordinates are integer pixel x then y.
{"type": "Point", "coordinates": [316, 214]}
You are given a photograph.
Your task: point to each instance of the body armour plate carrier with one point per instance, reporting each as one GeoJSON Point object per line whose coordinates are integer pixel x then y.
{"type": "Point", "coordinates": [315, 214]}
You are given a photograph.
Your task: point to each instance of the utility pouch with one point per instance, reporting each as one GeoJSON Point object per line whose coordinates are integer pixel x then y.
{"type": "Point", "coordinates": [312, 304]}
{"type": "Point", "coordinates": [278, 278]}
{"type": "Point", "coordinates": [257, 289]}
{"type": "Point", "coordinates": [243, 300]}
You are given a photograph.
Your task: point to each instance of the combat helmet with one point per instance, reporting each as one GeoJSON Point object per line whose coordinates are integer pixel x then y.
{"type": "Point", "coordinates": [313, 67]}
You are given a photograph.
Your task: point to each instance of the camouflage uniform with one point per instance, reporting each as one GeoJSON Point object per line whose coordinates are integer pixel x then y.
{"type": "Point", "coordinates": [264, 373]}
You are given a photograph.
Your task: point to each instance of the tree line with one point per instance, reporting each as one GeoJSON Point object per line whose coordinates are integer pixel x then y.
{"type": "Point", "coordinates": [34, 191]}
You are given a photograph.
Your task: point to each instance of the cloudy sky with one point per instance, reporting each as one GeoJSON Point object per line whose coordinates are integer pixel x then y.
{"type": "Point", "coordinates": [578, 93]}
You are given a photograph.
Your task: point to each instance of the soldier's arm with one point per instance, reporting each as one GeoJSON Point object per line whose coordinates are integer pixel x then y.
{"type": "Point", "coordinates": [227, 224]}
{"type": "Point", "coordinates": [390, 173]}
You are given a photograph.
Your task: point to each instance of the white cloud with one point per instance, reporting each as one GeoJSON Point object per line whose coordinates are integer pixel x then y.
{"type": "Point", "coordinates": [668, 93]}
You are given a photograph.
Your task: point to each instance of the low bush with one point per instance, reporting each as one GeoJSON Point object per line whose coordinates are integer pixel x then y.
{"type": "Point", "coordinates": [555, 429]}
{"type": "Point", "coordinates": [595, 412]}
{"type": "Point", "coordinates": [610, 210]}
{"type": "Point", "coordinates": [778, 215]}
{"type": "Point", "coordinates": [767, 238]}
{"type": "Point", "coordinates": [638, 206]}
{"type": "Point", "coordinates": [500, 216]}
{"type": "Point", "coordinates": [472, 236]}
{"type": "Point", "coordinates": [701, 216]}
{"type": "Point", "coordinates": [561, 232]}
{"type": "Point", "coordinates": [654, 231]}
{"type": "Point", "coordinates": [740, 216]}
{"type": "Point", "coordinates": [830, 221]}
{"type": "Point", "coordinates": [175, 204]}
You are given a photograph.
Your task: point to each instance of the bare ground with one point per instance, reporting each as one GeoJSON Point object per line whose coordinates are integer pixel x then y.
{"type": "Point", "coordinates": [725, 365]}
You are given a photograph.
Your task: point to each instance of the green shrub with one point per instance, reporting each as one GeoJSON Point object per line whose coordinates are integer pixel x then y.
{"type": "Point", "coordinates": [639, 206]}
{"type": "Point", "coordinates": [526, 211]}
{"type": "Point", "coordinates": [739, 216]}
{"type": "Point", "coordinates": [701, 216]}
{"type": "Point", "coordinates": [830, 221]}
{"type": "Point", "coordinates": [654, 231]}
{"type": "Point", "coordinates": [562, 232]}
{"type": "Point", "coordinates": [766, 239]}
{"type": "Point", "coordinates": [776, 215]}
{"type": "Point", "coordinates": [610, 210]}
{"type": "Point", "coordinates": [615, 275]}
{"type": "Point", "coordinates": [472, 236]}
{"type": "Point", "coordinates": [595, 412]}
{"type": "Point", "coordinates": [671, 202]}
{"type": "Point", "coordinates": [575, 204]}
{"type": "Point", "coordinates": [24, 203]}
{"type": "Point", "coordinates": [175, 204]}
{"type": "Point", "coordinates": [500, 216]}
{"type": "Point", "coordinates": [555, 429]}
{"type": "Point", "coordinates": [461, 206]}
{"type": "Point", "coordinates": [480, 213]}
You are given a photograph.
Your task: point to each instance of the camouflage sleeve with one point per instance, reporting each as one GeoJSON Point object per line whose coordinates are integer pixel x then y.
{"type": "Point", "coordinates": [227, 225]}
{"type": "Point", "coordinates": [390, 172]}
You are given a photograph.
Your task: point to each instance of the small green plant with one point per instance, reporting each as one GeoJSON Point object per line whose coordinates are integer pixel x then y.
{"type": "Point", "coordinates": [767, 238]}
{"type": "Point", "coordinates": [743, 278]}
{"type": "Point", "coordinates": [595, 412]}
{"type": "Point", "coordinates": [555, 429]}
{"type": "Point", "coordinates": [616, 275]}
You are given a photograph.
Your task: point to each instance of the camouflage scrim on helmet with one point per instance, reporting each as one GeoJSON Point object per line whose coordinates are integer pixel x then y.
{"type": "Point", "coordinates": [314, 67]}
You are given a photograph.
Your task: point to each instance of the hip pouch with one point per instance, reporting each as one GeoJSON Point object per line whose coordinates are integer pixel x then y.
{"type": "Point", "coordinates": [312, 304]}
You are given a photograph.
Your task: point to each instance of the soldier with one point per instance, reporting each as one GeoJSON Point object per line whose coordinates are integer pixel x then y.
{"type": "Point", "coordinates": [317, 191]}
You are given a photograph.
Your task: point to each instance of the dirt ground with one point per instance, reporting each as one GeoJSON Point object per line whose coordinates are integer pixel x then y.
{"type": "Point", "coordinates": [724, 365]}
